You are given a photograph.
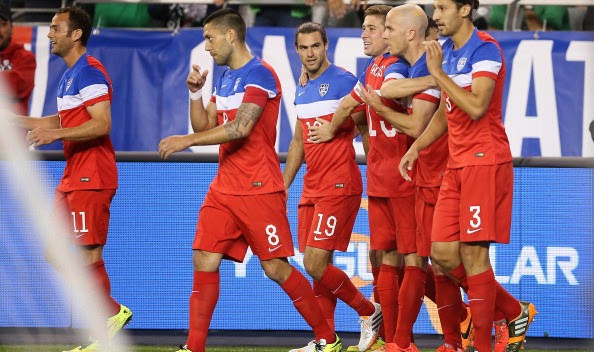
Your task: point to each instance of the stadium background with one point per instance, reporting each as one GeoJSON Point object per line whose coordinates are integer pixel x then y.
{"type": "Point", "coordinates": [548, 108]}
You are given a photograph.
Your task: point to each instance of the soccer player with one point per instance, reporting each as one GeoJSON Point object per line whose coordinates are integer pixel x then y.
{"type": "Point", "coordinates": [332, 184]}
{"type": "Point", "coordinates": [17, 64]}
{"type": "Point", "coordinates": [391, 200]}
{"type": "Point", "coordinates": [246, 203]}
{"type": "Point", "coordinates": [83, 123]}
{"type": "Point", "coordinates": [470, 72]}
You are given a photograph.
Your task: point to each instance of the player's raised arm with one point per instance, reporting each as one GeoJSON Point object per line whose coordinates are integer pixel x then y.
{"type": "Point", "coordinates": [326, 130]}
{"type": "Point", "coordinates": [400, 88]}
{"type": "Point", "coordinates": [474, 102]}
{"type": "Point", "coordinates": [201, 118]}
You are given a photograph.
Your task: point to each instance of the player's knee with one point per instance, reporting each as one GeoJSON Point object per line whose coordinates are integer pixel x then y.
{"type": "Point", "coordinates": [315, 269]}
{"type": "Point", "coordinates": [276, 270]}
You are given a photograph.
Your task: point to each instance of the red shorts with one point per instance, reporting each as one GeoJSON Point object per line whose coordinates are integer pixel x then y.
{"type": "Point", "coordinates": [228, 224]}
{"type": "Point", "coordinates": [88, 212]}
{"type": "Point", "coordinates": [327, 222]}
{"type": "Point", "coordinates": [475, 204]}
{"type": "Point", "coordinates": [392, 223]}
{"type": "Point", "coordinates": [425, 200]}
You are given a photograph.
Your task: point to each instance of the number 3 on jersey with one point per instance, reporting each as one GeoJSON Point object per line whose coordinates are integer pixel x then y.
{"type": "Point", "coordinates": [330, 225]}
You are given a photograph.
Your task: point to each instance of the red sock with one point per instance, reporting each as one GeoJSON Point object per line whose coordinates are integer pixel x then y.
{"type": "Point", "coordinates": [299, 290]}
{"type": "Point", "coordinates": [203, 300]}
{"type": "Point", "coordinates": [506, 304]}
{"type": "Point", "coordinates": [460, 274]}
{"type": "Point", "coordinates": [339, 283]}
{"type": "Point", "coordinates": [448, 301]}
{"type": "Point", "coordinates": [99, 274]}
{"type": "Point", "coordinates": [387, 287]}
{"type": "Point", "coordinates": [481, 296]}
{"type": "Point", "coordinates": [430, 284]}
{"type": "Point", "coordinates": [327, 302]}
{"type": "Point", "coordinates": [499, 314]}
{"type": "Point", "coordinates": [410, 300]}
{"type": "Point", "coordinates": [375, 272]}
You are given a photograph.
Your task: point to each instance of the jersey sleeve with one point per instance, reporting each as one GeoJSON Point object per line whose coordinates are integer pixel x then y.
{"type": "Point", "coordinates": [431, 95]}
{"type": "Point", "coordinates": [486, 61]}
{"type": "Point", "coordinates": [260, 77]}
{"type": "Point", "coordinates": [93, 86]}
{"type": "Point", "coordinates": [396, 70]}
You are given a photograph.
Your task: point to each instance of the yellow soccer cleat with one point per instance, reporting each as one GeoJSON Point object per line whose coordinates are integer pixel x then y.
{"type": "Point", "coordinates": [118, 321]}
{"type": "Point", "coordinates": [518, 327]}
{"type": "Point", "coordinates": [377, 346]}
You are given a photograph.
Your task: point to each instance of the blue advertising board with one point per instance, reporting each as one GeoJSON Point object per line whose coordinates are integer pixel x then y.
{"type": "Point", "coordinates": [549, 261]}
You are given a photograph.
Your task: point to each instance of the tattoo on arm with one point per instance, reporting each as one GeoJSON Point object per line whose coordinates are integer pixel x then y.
{"type": "Point", "coordinates": [246, 117]}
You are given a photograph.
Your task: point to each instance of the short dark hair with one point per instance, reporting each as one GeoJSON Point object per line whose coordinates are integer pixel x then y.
{"type": "Point", "coordinates": [311, 27]}
{"type": "Point", "coordinates": [78, 19]}
{"type": "Point", "coordinates": [380, 11]}
{"type": "Point", "coordinates": [474, 4]}
{"type": "Point", "coordinates": [228, 19]}
{"type": "Point", "coordinates": [430, 24]}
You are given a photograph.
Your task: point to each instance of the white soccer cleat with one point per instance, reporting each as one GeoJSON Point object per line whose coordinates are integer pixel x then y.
{"type": "Point", "coordinates": [370, 328]}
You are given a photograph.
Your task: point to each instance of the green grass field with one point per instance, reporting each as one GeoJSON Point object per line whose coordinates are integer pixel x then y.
{"type": "Point", "coordinates": [57, 348]}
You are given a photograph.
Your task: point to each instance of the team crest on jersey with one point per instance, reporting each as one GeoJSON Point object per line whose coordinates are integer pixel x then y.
{"type": "Point", "coordinates": [236, 84]}
{"type": "Point", "coordinates": [69, 83]}
{"type": "Point", "coordinates": [461, 63]}
{"type": "Point", "coordinates": [323, 89]}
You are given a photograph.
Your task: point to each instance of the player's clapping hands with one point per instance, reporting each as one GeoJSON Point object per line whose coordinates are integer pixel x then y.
{"type": "Point", "coordinates": [41, 136]}
{"type": "Point", "coordinates": [370, 97]}
{"type": "Point", "coordinates": [434, 56]}
{"type": "Point", "coordinates": [173, 144]}
{"type": "Point", "coordinates": [196, 79]}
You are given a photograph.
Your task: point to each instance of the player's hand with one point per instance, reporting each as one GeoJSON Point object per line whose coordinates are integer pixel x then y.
{"type": "Point", "coordinates": [40, 136]}
{"type": "Point", "coordinates": [303, 78]}
{"type": "Point", "coordinates": [434, 56]}
{"type": "Point", "coordinates": [173, 144]}
{"type": "Point", "coordinates": [337, 8]}
{"type": "Point", "coordinates": [407, 162]}
{"type": "Point", "coordinates": [320, 133]}
{"type": "Point", "coordinates": [370, 97]}
{"type": "Point", "coordinates": [196, 79]}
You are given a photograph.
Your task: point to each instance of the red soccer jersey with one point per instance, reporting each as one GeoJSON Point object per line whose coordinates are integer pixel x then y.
{"type": "Point", "coordinates": [386, 144]}
{"type": "Point", "coordinates": [432, 160]}
{"type": "Point", "coordinates": [331, 166]}
{"type": "Point", "coordinates": [483, 141]}
{"type": "Point", "coordinates": [249, 165]}
{"type": "Point", "coordinates": [89, 164]}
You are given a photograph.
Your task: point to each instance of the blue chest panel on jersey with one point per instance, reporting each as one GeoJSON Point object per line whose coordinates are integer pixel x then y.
{"type": "Point", "coordinates": [333, 84]}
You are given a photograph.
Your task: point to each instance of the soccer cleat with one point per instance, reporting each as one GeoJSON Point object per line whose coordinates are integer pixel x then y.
{"type": "Point", "coordinates": [448, 348]}
{"type": "Point", "coordinates": [183, 348]}
{"type": "Point", "coordinates": [118, 321]}
{"type": "Point", "coordinates": [470, 348]}
{"type": "Point", "coordinates": [501, 335]}
{"type": "Point", "coordinates": [378, 346]}
{"type": "Point", "coordinates": [89, 346]}
{"type": "Point", "coordinates": [320, 346]}
{"type": "Point", "coordinates": [518, 327]}
{"type": "Point", "coordinates": [370, 329]}
{"type": "Point", "coordinates": [467, 330]}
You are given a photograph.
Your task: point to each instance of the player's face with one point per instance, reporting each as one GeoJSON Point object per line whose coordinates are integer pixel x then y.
{"type": "Point", "coordinates": [448, 17]}
{"type": "Point", "coordinates": [395, 34]}
{"type": "Point", "coordinates": [59, 35]}
{"type": "Point", "coordinates": [312, 51]}
{"type": "Point", "coordinates": [217, 44]}
{"type": "Point", "coordinates": [374, 44]}
{"type": "Point", "coordinates": [433, 34]}
{"type": "Point", "coordinates": [5, 33]}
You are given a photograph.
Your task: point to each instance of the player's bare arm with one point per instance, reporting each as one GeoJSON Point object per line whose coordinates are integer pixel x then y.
{"type": "Point", "coordinates": [360, 119]}
{"type": "Point", "coordinates": [436, 128]}
{"type": "Point", "coordinates": [246, 117]}
{"type": "Point", "coordinates": [295, 156]}
{"type": "Point", "coordinates": [474, 102]}
{"type": "Point", "coordinates": [400, 88]}
{"type": "Point", "coordinates": [326, 130]}
{"type": "Point", "coordinates": [201, 118]}
{"type": "Point", "coordinates": [31, 123]}
{"type": "Point", "coordinates": [99, 125]}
